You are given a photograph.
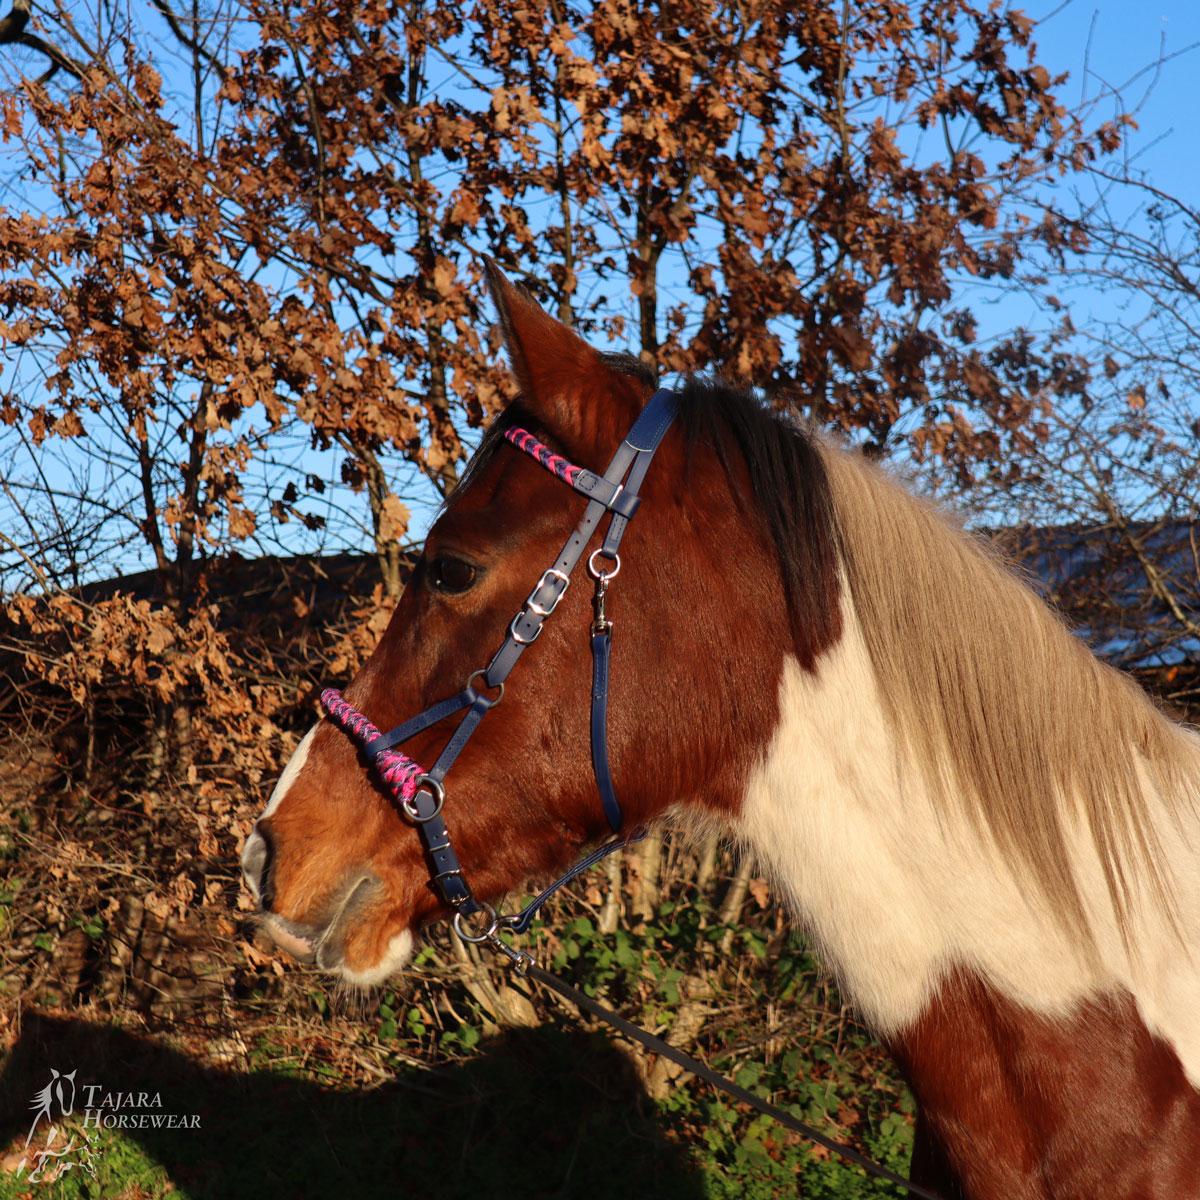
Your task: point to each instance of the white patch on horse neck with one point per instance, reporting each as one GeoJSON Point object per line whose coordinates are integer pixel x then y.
{"type": "Point", "coordinates": [294, 766]}
{"type": "Point", "coordinates": [898, 892]}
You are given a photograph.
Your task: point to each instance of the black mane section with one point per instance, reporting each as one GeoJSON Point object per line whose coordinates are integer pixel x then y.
{"type": "Point", "coordinates": [493, 435]}
{"type": "Point", "coordinates": [792, 494]}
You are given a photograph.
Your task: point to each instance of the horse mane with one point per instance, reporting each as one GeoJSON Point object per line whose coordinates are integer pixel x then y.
{"type": "Point", "coordinates": [42, 1097]}
{"type": "Point", "coordinates": [789, 488]}
{"type": "Point", "coordinates": [1014, 723]}
{"type": "Point", "coordinates": [1012, 719]}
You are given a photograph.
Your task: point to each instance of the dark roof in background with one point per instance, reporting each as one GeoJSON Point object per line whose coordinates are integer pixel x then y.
{"type": "Point", "coordinates": [1095, 576]}
{"type": "Point", "coordinates": [1091, 574]}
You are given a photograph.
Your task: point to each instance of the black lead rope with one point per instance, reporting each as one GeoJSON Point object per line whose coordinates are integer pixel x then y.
{"type": "Point", "coordinates": [694, 1066]}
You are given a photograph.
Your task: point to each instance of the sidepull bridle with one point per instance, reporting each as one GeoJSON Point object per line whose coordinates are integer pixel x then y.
{"type": "Point", "coordinates": [421, 794]}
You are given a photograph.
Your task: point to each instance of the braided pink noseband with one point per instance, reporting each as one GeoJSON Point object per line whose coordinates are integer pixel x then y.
{"type": "Point", "coordinates": [397, 770]}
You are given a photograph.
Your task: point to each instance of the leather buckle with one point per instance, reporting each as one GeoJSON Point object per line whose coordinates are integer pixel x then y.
{"type": "Point", "coordinates": [533, 606]}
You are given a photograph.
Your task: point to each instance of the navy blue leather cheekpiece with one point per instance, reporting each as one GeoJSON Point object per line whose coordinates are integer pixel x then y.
{"type": "Point", "coordinates": [616, 494]}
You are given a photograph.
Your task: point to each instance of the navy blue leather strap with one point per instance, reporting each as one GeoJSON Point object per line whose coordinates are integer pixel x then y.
{"type": "Point", "coordinates": [601, 648]}
{"type": "Point", "coordinates": [615, 493]}
{"type": "Point", "coordinates": [643, 439]}
{"type": "Point", "coordinates": [632, 458]}
{"type": "Point", "coordinates": [445, 869]}
{"type": "Point", "coordinates": [614, 496]}
{"type": "Point", "coordinates": [520, 922]}
{"type": "Point", "coordinates": [414, 725]}
{"type": "Point", "coordinates": [460, 737]}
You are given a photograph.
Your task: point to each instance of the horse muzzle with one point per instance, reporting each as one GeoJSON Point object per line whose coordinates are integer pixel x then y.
{"type": "Point", "coordinates": [321, 940]}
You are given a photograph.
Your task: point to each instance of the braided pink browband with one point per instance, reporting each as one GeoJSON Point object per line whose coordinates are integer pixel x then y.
{"type": "Point", "coordinates": [397, 770]}
{"type": "Point", "coordinates": [524, 440]}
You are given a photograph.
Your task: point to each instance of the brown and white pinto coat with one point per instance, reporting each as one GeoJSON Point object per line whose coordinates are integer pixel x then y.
{"type": "Point", "coordinates": [993, 838]}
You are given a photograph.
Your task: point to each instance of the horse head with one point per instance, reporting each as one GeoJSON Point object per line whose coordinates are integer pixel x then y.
{"type": "Point", "coordinates": [340, 875]}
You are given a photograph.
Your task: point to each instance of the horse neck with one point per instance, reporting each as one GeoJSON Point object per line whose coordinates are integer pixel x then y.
{"type": "Point", "coordinates": [1019, 1106]}
{"type": "Point", "coordinates": [984, 994]}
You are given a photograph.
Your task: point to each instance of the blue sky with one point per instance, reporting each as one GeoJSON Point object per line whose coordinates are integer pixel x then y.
{"type": "Point", "coordinates": [1109, 50]}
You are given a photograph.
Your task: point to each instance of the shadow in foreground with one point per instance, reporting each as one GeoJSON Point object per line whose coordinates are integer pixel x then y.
{"type": "Point", "coordinates": [538, 1113]}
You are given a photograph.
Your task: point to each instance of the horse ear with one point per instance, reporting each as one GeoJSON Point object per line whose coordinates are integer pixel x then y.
{"type": "Point", "coordinates": [568, 384]}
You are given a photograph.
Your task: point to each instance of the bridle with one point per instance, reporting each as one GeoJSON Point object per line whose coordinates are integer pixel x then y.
{"type": "Point", "coordinates": [421, 794]}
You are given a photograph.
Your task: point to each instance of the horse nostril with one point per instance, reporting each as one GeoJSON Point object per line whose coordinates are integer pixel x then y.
{"type": "Point", "coordinates": [256, 866]}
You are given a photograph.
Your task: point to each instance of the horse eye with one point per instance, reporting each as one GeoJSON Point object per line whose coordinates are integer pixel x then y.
{"type": "Point", "coordinates": [448, 574]}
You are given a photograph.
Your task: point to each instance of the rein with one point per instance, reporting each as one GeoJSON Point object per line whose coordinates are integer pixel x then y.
{"type": "Point", "coordinates": [421, 793]}
{"type": "Point", "coordinates": [694, 1066]}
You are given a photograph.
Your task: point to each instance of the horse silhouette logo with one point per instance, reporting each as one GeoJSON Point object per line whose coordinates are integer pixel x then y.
{"type": "Point", "coordinates": [61, 1088]}
{"type": "Point", "coordinates": [50, 1105]}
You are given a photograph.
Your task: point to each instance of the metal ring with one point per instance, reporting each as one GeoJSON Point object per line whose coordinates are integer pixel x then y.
{"type": "Point", "coordinates": [596, 573]}
{"type": "Point", "coordinates": [435, 789]}
{"type": "Point", "coordinates": [476, 938]}
{"type": "Point", "coordinates": [482, 673]}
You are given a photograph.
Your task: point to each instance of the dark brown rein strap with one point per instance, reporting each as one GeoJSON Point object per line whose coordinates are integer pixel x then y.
{"type": "Point", "coordinates": [694, 1066]}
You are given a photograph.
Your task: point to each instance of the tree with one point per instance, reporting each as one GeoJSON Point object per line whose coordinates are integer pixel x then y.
{"type": "Point", "coordinates": [1119, 467]}
{"type": "Point", "coordinates": [257, 225]}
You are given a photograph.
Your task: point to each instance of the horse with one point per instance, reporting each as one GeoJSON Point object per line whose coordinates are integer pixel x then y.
{"type": "Point", "coordinates": [992, 837]}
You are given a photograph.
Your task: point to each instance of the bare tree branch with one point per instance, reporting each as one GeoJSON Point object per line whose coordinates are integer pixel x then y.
{"type": "Point", "coordinates": [13, 33]}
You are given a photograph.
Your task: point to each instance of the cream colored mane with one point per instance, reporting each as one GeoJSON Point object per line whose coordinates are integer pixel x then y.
{"type": "Point", "coordinates": [1016, 724]}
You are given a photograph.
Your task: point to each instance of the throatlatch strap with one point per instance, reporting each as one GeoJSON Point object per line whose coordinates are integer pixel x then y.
{"type": "Point", "coordinates": [521, 921]}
